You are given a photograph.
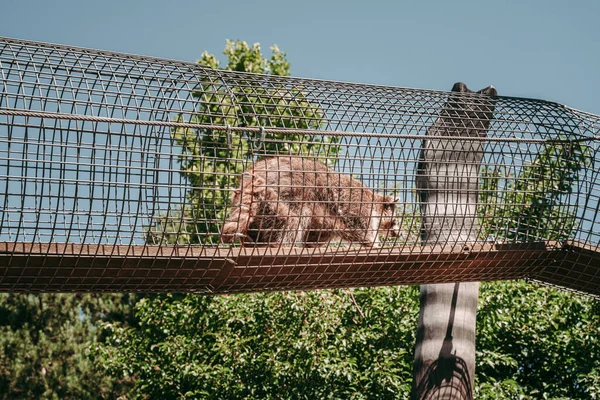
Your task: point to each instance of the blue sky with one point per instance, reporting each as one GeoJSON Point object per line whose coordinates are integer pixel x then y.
{"type": "Point", "coordinates": [542, 49]}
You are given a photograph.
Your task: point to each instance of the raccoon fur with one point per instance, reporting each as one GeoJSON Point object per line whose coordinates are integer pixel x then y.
{"type": "Point", "coordinates": [297, 201]}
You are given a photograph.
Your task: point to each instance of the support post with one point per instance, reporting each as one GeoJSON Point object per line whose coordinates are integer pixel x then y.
{"type": "Point", "coordinates": [447, 184]}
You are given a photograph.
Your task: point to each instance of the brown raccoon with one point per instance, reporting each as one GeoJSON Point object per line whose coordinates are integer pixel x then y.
{"type": "Point", "coordinates": [300, 201]}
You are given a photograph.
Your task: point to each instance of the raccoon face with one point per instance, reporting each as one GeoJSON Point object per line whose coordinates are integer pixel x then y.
{"type": "Point", "coordinates": [389, 222]}
{"type": "Point", "coordinates": [391, 226]}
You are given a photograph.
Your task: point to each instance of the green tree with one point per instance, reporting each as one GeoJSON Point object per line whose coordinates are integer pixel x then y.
{"type": "Point", "coordinates": [44, 340]}
{"type": "Point", "coordinates": [532, 342]}
{"type": "Point", "coordinates": [212, 159]}
{"type": "Point", "coordinates": [536, 343]}
{"type": "Point", "coordinates": [312, 345]}
{"type": "Point", "coordinates": [534, 205]}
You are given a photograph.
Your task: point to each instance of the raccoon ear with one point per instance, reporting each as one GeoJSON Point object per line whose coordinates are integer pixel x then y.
{"type": "Point", "coordinates": [460, 87]}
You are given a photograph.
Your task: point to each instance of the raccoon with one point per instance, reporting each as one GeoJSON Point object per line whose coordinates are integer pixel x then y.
{"type": "Point", "coordinates": [448, 170]}
{"type": "Point", "coordinates": [296, 201]}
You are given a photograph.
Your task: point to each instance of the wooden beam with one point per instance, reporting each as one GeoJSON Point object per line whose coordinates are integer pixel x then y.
{"type": "Point", "coordinates": [34, 267]}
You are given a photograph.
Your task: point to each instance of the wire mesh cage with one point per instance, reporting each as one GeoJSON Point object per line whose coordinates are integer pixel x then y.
{"type": "Point", "coordinates": [129, 173]}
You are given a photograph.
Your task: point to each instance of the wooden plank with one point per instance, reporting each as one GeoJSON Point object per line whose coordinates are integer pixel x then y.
{"type": "Point", "coordinates": [34, 267]}
{"type": "Point", "coordinates": [578, 269]}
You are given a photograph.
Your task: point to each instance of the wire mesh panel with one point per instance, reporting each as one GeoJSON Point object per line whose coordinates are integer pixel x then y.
{"type": "Point", "coordinates": [128, 173]}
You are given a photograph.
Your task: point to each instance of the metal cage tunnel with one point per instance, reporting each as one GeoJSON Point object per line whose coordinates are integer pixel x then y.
{"type": "Point", "coordinates": [129, 173]}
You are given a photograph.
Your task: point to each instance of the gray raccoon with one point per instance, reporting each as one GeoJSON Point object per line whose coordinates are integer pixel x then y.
{"type": "Point", "coordinates": [448, 170]}
{"type": "Point", "coordinates": [302, 202]}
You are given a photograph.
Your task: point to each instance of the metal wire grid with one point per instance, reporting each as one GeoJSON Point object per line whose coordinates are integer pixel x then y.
{"type": "Point", "coordinates": [119, 173]}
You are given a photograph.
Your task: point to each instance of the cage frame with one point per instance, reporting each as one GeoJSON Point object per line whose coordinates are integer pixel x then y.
{"type": "Point", "coordinates": [39, 81]}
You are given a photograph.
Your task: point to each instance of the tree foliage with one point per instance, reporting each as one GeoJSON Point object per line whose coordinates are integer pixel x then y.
{"type": "Point", "coordinates": [319, 344]}
{"type": "Point", "coordinates": [534, 205]}
{"type": "Point", "coordinates": [537, 343]}
{"type": "Point", "coordinates": [532, 342]}
{"type": "Point", "coordinates": [44, 340]}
